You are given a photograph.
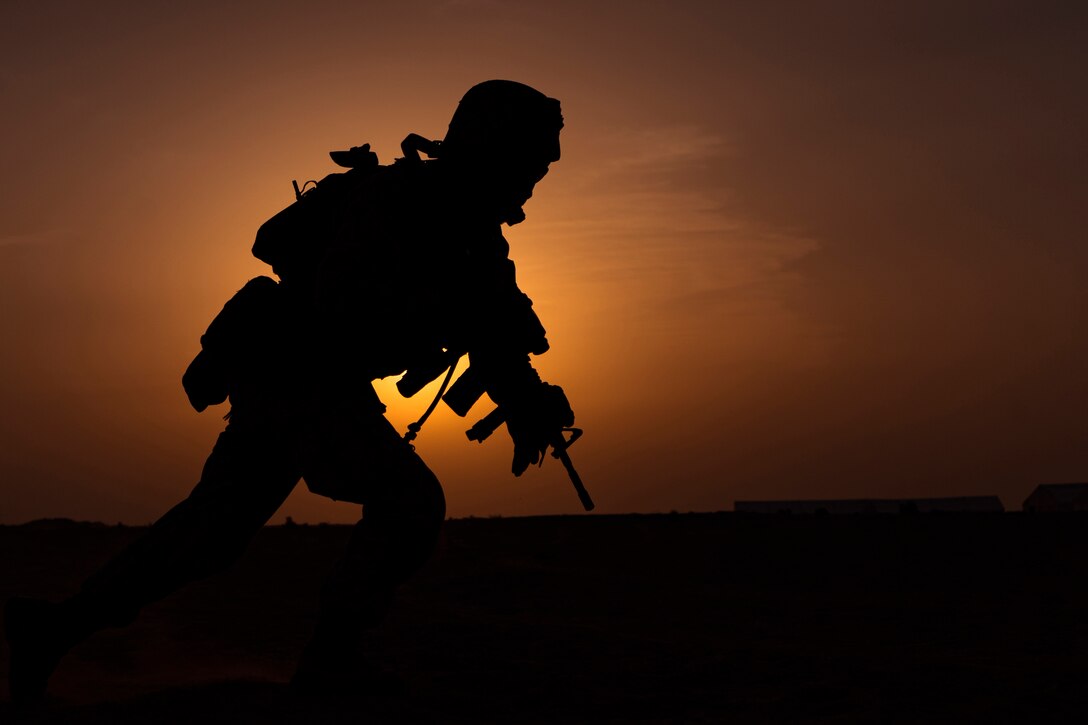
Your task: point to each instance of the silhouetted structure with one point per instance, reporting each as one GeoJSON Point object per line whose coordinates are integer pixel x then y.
{"type": "Point", "coordinates": [1053, 497]}
{"type": "Point", "coordinates": [953, 504]}
{"type": "Point", "coordinates": [383, 269]}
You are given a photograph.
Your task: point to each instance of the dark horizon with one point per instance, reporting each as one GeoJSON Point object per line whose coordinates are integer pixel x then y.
{"type": "Point", "coordinates": [767, 619]}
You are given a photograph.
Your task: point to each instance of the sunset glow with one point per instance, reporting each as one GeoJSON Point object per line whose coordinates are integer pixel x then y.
{"type": "Point", "coordinates": [808, 252]}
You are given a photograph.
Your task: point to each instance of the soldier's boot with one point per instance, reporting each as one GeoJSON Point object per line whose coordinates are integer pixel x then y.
{"type": "Point", "coordinates": [39, 633]}
{"type": "Point", "coordinates": [337, 657]}
{"type": "Point", "coordinates": [336, 662]}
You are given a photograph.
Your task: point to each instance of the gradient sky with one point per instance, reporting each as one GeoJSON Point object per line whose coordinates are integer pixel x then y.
{"type": "Point", "coordinates": [792, 249]}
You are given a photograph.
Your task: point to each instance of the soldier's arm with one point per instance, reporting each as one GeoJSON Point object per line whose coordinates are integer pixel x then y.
{"type": "Point", "coordinates": [534, 411]}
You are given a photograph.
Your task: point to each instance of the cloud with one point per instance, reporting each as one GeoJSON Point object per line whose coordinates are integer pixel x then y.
{"type": "Point", "coordinates": [651, 216]}
{"type": "Point", "coordinates": [35, 239]}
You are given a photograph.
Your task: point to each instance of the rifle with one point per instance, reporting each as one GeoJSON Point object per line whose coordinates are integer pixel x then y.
{"type": "Point", "coordinates": [484, 427]}
{"type": "Point", "coordinates": [464, 393]}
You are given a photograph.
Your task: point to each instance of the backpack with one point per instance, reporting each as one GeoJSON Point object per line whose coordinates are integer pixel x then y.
{"type": "Point", "coordinates": [293, 240]}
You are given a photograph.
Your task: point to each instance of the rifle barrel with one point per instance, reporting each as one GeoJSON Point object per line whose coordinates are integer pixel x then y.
{"type": "Point", "coordinates": [575, 479]}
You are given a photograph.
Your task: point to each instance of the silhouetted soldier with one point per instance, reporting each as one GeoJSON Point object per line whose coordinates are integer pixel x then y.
{"type": "Point", "coordinates": [409, 273]}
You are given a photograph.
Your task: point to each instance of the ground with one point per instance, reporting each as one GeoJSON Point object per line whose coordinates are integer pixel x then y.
{"type": "Point", "coordinates": [594, 619]}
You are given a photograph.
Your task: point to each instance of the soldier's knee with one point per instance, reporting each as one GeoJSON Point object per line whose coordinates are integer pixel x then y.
{"type": "Point", "coordinates": [408, 520]}
{"type": "Point", "coordinates": [429, 504]}
{"type": "Point", "coordinates": [415, 499]}
{"type": "Point", "coordinates": [427, 510]}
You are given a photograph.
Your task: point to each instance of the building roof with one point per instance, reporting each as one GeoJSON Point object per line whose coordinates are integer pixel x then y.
{"type": "Point", "coordinates": [1062, 492]}
{"type": "Point", "coordinates": [875, 505]}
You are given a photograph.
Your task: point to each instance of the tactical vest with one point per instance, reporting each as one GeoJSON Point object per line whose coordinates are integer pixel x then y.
{"type": "Point", "coordinates": [376, 306]}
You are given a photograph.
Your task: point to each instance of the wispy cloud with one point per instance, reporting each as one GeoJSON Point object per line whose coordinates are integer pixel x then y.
{"type": "Point", "coordinates": [652, 210]}
{"type": "Point", "coordinates": [47, 237]}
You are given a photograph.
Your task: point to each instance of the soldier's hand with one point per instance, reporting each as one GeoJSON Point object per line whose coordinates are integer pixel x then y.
{"type": "Point", "coordinates": [535, 422]}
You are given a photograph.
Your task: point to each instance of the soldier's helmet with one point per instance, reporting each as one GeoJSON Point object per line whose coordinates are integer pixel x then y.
{"type": "Point", "coordinates": [504, 135]}
{"type": "Point", "coordinates": [501, 120]}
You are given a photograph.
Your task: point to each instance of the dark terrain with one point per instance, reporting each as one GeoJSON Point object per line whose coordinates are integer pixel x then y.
{"type": "Point", "coordinates": [664, 618]}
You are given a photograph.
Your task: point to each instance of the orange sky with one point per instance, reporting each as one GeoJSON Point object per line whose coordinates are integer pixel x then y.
{"type": "Point", "coordinates": [817, 250]}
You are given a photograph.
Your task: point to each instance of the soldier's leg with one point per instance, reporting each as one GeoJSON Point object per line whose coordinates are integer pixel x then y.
{"type": "Point", "coordinates": [245, 479]}
{"type": "Point", "coordinates": [404, 508]}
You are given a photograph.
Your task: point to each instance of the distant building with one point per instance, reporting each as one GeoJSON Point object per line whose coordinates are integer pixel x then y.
{"type": "Point", "coordinates": [954, 504]}
{"type": "Point", "coordinates": [1049, 497]}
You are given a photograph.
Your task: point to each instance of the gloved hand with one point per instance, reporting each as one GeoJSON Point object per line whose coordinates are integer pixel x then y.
{"type": "Point", "coordinates": [534, 421]}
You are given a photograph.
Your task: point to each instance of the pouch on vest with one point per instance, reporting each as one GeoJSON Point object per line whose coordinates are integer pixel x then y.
{"type": "Point", "coordinates": [233, 340]}
{"type": "Point", "coordinates": [293, 240]}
